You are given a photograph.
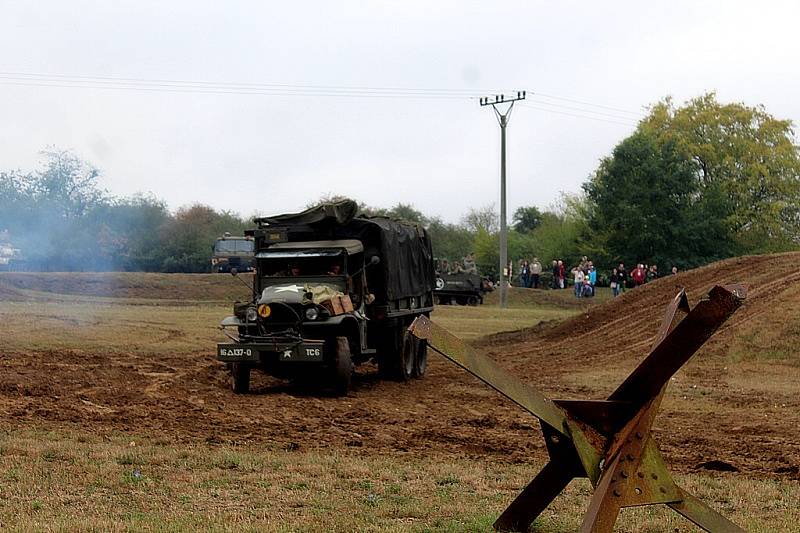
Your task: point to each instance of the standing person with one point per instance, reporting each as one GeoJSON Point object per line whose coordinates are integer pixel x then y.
{"type": "Point", "coordinates": [469, 264]}
{"type": "Point", "coordinates": [592, 278]}
{"type": "Point", "coordinates": [638, 275]}
{"type": "Point", "coordinates": [577, 278]}
{"type": "Point", "coordinates": [554, 270]}
{"type": "Point", "coordinates": [561, 274]}
{"type": "Point", "coordinates": [524, 274]}
{"type": "Point", "coordinates": [674, 270]}
{"type": "Point", "coordinates": [536, 271]}
{"type": "Point", "coordinates": [622, 278]}
{"type": "Point", "coordinates": [652, 273]}
{"type": "Point", "coordinates": [614, 282]}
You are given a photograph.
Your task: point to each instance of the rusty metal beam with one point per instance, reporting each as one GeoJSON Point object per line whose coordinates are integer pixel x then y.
{"type": "Point", "coordinates": [703, 515]}
{"type": "Point", "coordinates": [679, 345]}
{"type": "Point", "coordinates": [485, 369]}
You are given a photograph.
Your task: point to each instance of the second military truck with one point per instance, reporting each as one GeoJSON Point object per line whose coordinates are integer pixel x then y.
{"type": "Point", "coordinates": [332, 290]}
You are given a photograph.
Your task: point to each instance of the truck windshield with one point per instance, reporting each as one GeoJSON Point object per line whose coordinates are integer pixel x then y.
{"type": "Point", "coordinates": [232, 246]}
{"type": "Point", "coordinates": [294, 264]}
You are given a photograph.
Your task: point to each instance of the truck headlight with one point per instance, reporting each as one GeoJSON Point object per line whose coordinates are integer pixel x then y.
{"type": "Point", "coordinates": [264, 311]}
{"type": "Point", "coordinates": [312, 313]}
{"type": "Point", "coordinates": [252, 314]}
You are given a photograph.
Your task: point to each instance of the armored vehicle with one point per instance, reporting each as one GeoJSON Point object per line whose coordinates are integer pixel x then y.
{"type": "Point", "coordinates": [463, 288]}
{"type": "Point", "coordinates": [231, 253]}
{"type": "Point", "coordinates": [331, 290]}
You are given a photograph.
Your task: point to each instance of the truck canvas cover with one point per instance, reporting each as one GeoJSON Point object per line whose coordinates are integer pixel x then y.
{"type": "Point", "coordinates": [406, 267]}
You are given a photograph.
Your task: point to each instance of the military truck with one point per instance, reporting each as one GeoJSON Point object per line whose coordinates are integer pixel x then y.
{"type": "Point", "coordinates": [331, 290]}
{"type": "Point", "coordinates": [230, 252]}
{"type": "Point", "coordinates": [463, 288]}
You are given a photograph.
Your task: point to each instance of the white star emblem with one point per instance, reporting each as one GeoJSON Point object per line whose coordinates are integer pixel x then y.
{"type": "Point", "coordinates": [289, 288]}
{"type": "Point", "coordinates": [287, 354]}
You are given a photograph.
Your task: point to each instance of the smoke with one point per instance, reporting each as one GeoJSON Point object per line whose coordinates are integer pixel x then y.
{"type": "Point", "coordinates": [59, 219]}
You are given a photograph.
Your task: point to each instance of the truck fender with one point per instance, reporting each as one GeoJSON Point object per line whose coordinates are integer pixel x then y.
{"type": "Point", "coordinates": [230, 321]}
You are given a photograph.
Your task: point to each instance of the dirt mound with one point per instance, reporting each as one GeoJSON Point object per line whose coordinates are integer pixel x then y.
{"type": "Point", "coordinates": [736, 403]}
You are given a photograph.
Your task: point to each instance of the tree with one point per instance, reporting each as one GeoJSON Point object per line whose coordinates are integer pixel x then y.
{"type": "Point", "coordinates": [407, 212]}
{"type": "Point", "coordinates": [190, 235]}
{"type": "Point", "coordinates": [67, 184]}
{"type": "Point", "coordinates": [449, 241]}
{"type": "Point", "coordinates": [482, 219]}
{"type": "Point", "coordinates": [644, 205]}
{"type": "Point", "coordinates": [745, 159]}
{"type": "Point", "coordinates": [526, 219]}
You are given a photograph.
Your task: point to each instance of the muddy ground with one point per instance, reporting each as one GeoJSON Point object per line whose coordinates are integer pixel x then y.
{"type": "Point", "coordinates": [727, 405]}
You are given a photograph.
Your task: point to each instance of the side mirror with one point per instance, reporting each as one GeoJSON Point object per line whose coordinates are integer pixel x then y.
{"type": "Point", "coordinates": [374, 260]}
{"type": "Point", "coordinates": [234, 271]}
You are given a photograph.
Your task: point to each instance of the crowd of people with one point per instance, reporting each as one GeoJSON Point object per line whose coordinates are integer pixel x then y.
{"type": "Point", "coordinates": [466, 265]}
{"type": "Point", "coordinates": [585, 278]}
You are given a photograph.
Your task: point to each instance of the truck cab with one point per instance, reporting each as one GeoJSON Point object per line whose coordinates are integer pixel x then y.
{"type": "Point", "coordinates": [232, 252]}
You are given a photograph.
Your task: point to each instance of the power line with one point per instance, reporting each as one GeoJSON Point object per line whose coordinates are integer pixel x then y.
{"type": "Point", "coordinates": [231, 92]}
{"type": "Point", "coordinates": [277, 89]}
{"type": "Point", "coordinates": [576, 115]}
{"type": "Point", "coordinates": [256, 88]}
{"type": "Point", "coordinates": [616, 116]}
{"type": "Point", "coordinates": [584, 102]}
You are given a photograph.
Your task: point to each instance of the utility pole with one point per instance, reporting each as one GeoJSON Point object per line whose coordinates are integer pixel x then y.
{"type": "Point", "coordinates": [502, 119]}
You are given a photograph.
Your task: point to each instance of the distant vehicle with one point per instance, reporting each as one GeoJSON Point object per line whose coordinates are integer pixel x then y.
{"type": "Point", "coordinates": [9, 257]}
{"type": "Point", "coordinates": [462, 288]}
{"type": "Point", "coordinates": [233, 253]}
{"type": "Point", "coordinates": [332, 290]}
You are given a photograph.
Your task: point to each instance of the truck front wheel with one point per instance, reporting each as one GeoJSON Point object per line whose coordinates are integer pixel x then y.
{"type": "Point", "coordinates": [240, 382]}
{"type": "Point", "coordinates": [343, 367]}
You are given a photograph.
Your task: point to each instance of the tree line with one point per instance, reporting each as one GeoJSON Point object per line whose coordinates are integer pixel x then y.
{"type": "Point", "coordinates": [693, 183]}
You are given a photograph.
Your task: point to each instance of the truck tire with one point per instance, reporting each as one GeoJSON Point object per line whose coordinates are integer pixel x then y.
{"type": "Point", "coordinates": [396, 362]}
{"type": "Point", "coordinates": [421, 360]}
{"type": "Point", "coordinates": [409, 356]}
{"type": "Point", "coordinates": [240, 378]}
{"type": "Point", "coordinates": [342, 368]}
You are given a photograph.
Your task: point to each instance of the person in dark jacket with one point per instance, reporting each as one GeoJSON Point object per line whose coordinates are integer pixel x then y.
{"type": "Point", "coordinates": [524, 274]}
{"type": "Point", "coordinates": [622, 278]}
{"type": "Point", "coordinates": [652, 273]}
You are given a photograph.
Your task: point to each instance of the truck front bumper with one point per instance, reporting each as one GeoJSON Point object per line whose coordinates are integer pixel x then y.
{"type": "Point", "coordinates": [305, 351]}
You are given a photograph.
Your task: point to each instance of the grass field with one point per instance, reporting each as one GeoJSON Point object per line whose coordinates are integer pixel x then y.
{"type": "Point", "coordinates": [67, 481]}
{"type": "Point", "coordinates": [57, 476]}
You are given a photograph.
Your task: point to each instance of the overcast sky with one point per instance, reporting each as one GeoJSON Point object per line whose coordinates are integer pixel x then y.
{"type": "Point", "coordinates": [588, 67]}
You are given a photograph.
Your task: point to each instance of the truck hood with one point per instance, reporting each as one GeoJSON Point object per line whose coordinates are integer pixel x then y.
{"type": "Point", "coordinates": [295, 293]}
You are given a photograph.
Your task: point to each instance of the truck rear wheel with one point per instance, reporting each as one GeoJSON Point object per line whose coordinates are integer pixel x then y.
{"type": "Point", "coordinates": [409, 356]}
{"type": "Point", "coordinates": [421, 360]}
{"type": "Point", "coordinates": [240, 374]}
{"type": "Point", "coordinates": [396, 360]}
{"type": "Point", "coordinates": [343, 367]}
